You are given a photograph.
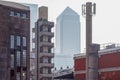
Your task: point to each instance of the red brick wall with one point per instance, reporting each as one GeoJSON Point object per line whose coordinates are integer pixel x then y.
{"type": "Point", "coordinates": [80, 64]}
{"type": "Point", "coordinates": [80, 77]}
{"type": "Point", "coordinates": [105, 61]}
{"type": "Point", "coordinates": [109, 60]}
{"type": "Point", "coordinates": [113, 75]}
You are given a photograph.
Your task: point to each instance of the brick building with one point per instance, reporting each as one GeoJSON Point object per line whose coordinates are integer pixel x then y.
{"type": "Point", "coordinates": [108, 64]}
{"type": "Point", "coordinates": [14, 41]}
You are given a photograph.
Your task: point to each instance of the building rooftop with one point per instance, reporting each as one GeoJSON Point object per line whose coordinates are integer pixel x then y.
{"type": "Point", "coordinates": [68, 11]}
{"type": "Point", "coordinates": [14, 5]}
{"type": "Point", "coordinates": [109, 48]}
{"type": "Point", "coordinates": [63, 74]}
{"type": "Point", "coordinates": [105, 49]}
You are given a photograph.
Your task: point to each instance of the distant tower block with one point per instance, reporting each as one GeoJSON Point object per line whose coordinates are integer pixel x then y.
{"type": "Point", "coordinates": [43, 12]}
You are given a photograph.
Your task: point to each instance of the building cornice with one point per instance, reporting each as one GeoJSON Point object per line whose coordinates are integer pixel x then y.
{"type": "Point", "coordinates": [101, 52]}
{"type": "Point", "coordinates": [14, 5]}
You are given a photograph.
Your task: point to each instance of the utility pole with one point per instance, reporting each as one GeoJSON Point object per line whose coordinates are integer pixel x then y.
{"type": "Point", "coordinates": [88, 10]}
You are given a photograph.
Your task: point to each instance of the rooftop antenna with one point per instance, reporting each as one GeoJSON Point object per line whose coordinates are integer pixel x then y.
{"type": "Point", "coordinates": [93, 9]}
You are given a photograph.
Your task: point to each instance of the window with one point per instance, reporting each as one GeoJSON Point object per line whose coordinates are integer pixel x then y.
{"type": "Point", "coordinates": [24, 41]}
{"type": "Point", "coordinates": [18, 14]}
{"type": "Point", "coordinates": [24, 15]}
{"type": "Point", "coordinates": [33, 45]}
{"type": "Point", "coordinates": [45, 38]}
{"type": "Point", "coordinates": [41, 39]}
{"type": "Point", "coordinates": [45, 60]}
{"type": "Point", "coordinates": [45, 70]}
{"type": "Point", "coordinates": [41, 28]}
{"type": "Point", "coordinates": [45, 28]}
{"type": "Point", "coordinates": [18, 40]}
{"type": "Point", "coordinates": [49, 71]}
{"type": "Point", "coordinates": [45, 49]}
{"type": "Point", "coordinates": [49, 40]}
{"type": "Point", "coordinates": [52, 50]}
{"type": "Point", "coordinates": [53, 30]}
{"type": "Point", "coordinates": [2, 73]}
{"type": "Point", "coordinates": [12, 61]}
{"type": "Point", "coordinates": [18, 58]}
{"type": "Point", "coordinates": [33, 35]}
{"type": "Point", "coordinates": [49, 29]}
{"type": "Point", "coordinates": [12, 51]}
{"type": "Point", "coordinates": [41, 49]}
{"type": "Point", "coordinates": [11, 13]}
{"type": "Point", "coordinates": [24, 58]}
{"type": "Point", "coordinates": [52, 60]}
{"type": "Point", "coordinates": [24, 75]}
{"type": "Point", "coordinates": [12, 41]}
{"type": "Point", "coordinates": [18, 76]}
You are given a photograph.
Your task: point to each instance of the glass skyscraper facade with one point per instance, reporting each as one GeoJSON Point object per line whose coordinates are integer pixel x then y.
{"type": "Point", "coordinates": [67, 38]}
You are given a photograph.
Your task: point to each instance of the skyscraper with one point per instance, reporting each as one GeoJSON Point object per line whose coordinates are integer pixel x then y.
{"type": "Point", "coordinates": [14, 41]}
{"type": "Point", "coordinates": [67, 37]}
{"type": "Point", "coordinates": [43, 46]}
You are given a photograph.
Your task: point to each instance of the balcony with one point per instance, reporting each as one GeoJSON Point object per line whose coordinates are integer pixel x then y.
{"type": "Point", "coordinates": [45, 75]}
{"type": "Point", "coordinates": [50, 24]}
{"type": "Point", "coordinates": [51, 65]}
{"type": "Point", "coordinates": [46, 44]}
{"type": "Point", "coordinates": [42, 54]}
{"type": "Point", "coordinates": [47, 33]}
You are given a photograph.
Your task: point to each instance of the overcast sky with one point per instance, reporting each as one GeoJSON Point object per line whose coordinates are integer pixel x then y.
{"type": "Point", "coordinates": [106, 23]}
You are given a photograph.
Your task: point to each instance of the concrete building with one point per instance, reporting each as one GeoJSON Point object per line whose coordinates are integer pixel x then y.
{"type": "Point", "coordinates": [43, 46]}
{"type": "Point", "coordinates": [14, 41]}
{"type": "Point", "coordinates": [67, 39]}
{"type": "Point", "coordinates": [108, 64]}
